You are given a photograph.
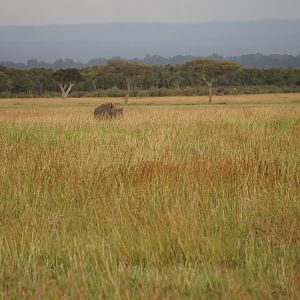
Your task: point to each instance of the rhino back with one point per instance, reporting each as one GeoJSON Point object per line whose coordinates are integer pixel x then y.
{"type": "Point", "coordinates": [103, 110]}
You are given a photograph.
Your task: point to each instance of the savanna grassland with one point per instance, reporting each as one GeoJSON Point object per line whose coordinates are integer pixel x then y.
{"type": "Point", "coordinates": [177, 200]}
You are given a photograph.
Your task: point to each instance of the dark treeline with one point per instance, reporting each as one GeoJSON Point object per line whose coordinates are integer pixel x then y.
{"type": "Point", "coordinates": [154, 80]}
{"type": "Point", "coordinates": [257, 61]}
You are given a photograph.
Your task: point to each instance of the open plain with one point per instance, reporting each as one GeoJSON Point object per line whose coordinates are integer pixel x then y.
{"type": "Point", "coordinates": [177, 200]}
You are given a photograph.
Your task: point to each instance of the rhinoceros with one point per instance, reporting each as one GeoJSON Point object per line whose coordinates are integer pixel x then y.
{"type": "Point", "coordinates": [108, 111]}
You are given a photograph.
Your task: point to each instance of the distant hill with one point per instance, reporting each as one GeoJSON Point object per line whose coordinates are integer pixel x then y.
{"type": "Point", "coordinates": [258, 61]}
{"type": "Point", "coordinates": [84, 42]}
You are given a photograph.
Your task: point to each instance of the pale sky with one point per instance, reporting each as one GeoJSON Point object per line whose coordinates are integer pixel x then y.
{"type": "Point", "coordinates": [36, 12]}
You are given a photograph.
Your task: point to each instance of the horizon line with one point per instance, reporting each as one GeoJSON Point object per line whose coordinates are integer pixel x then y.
{"type": "Point", "coordinates": [143, 57]}
{"type": "Point", "coordinates": [154, 22]}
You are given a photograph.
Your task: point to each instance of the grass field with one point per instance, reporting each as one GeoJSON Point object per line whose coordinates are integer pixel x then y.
{"type": "Point", "coordinates": [177, 200]}
{"type": "Point", "coordinates": [263, 99]}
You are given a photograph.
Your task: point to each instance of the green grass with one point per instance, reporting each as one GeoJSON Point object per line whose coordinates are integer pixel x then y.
{"type": "Point", "coordinates": [167, 203]}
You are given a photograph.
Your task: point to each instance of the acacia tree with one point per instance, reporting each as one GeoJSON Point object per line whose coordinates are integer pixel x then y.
{"type": "Point", "coordinates": [209, 70]}
{"type": "Point", "coordinates": [130, 71]}
{"type": "Point", "coordinates": [66, 79]}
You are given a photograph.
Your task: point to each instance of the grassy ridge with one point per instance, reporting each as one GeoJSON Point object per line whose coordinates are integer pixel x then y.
{"type": "Point", "coordinates": [176, 203]}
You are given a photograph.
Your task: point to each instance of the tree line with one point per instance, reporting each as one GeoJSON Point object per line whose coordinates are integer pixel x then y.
{"type": "Point", "coordinates": [256, 61]}
{"type": "Point", "coordinates": [119, 77]}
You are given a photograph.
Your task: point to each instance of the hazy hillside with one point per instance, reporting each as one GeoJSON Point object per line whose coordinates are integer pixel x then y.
{"type": "Point", "coordinates": [84, 42]}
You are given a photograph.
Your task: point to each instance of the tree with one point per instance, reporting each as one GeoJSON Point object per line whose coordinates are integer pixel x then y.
{"type": "Point", "coordinates": [5, 83]}
{"type": "Point", "coordinates": [89, 78]}
{"type": "Point", "coordinates": [66, 79]}
{"type": "Point", "coordinates": [130, 71]}
{"type": "Point", "coordinates": [42, 80]}
{"type": "Point", "coordinates": [209, 70]}
{"type": "Point", "coordinates": [19, 81]}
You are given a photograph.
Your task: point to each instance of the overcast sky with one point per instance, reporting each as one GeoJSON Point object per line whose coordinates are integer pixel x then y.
{"type": "Point", "coordinates": [32, 12]}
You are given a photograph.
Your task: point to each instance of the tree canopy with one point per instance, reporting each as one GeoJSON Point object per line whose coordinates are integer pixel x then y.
{"type": "Point", "coordinates": [130, 71]}
{"type": "Point", "coordinates": [209, 70]}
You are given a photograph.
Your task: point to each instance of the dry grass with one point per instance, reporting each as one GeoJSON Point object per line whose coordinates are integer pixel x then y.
{"type": "Point", "coordinates": [180, 100]}
{"type": "Point", "coordinates": [173, 202]}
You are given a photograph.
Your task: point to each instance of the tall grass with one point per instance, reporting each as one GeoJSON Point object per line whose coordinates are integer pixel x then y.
{"type": "Point", "coordinates": [173, 203]}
